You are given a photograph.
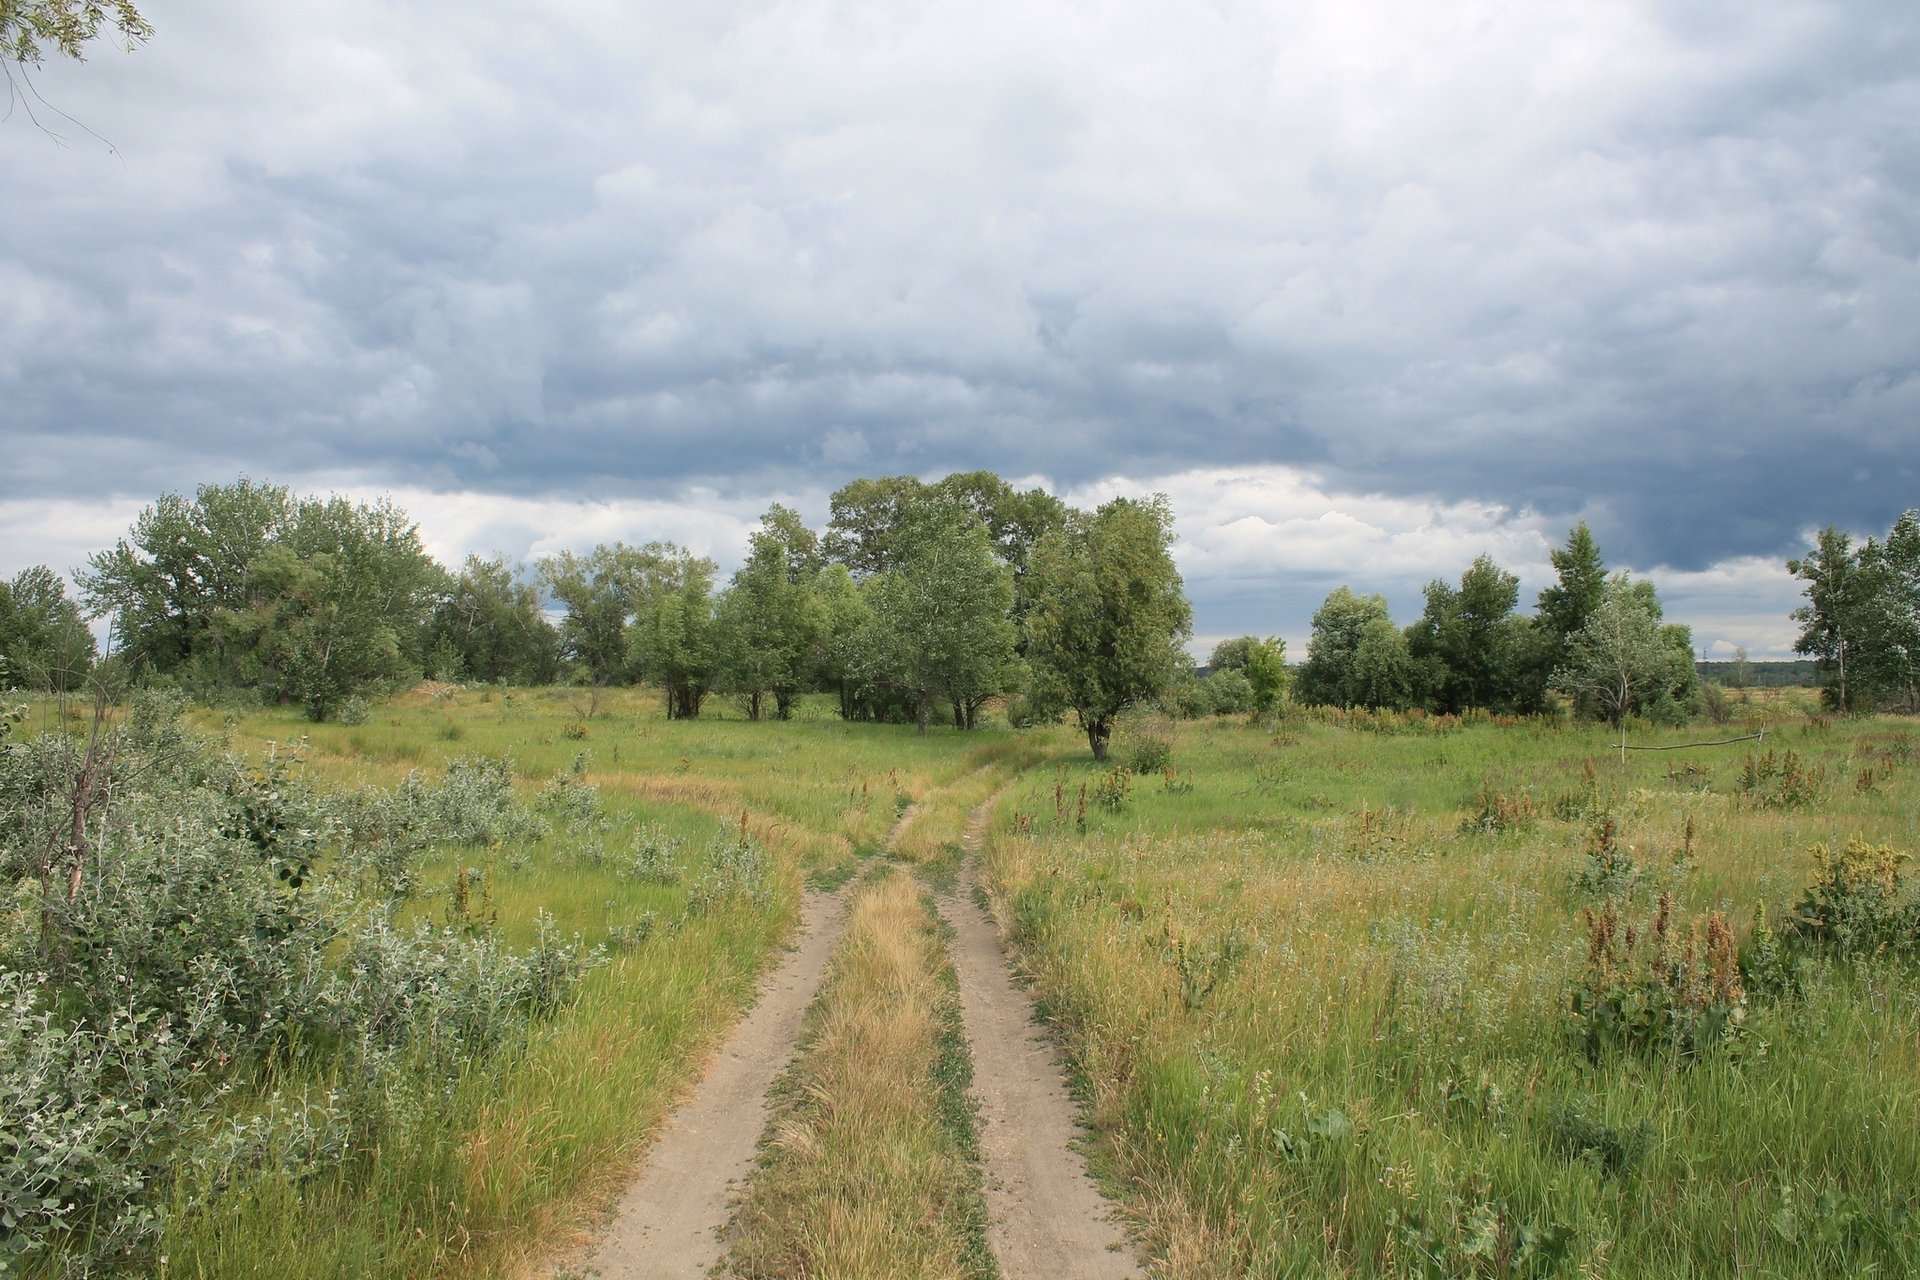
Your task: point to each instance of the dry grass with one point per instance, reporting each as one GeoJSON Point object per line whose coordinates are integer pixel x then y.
{"type": "Point", "coordinates": [871, 1169]}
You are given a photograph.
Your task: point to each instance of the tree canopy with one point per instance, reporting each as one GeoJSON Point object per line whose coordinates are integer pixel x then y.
{"type": "Point", "coordinates": [1109, 617]}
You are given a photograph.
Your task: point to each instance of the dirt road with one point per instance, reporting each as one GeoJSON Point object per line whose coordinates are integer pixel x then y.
{"type": "Point", "coordinates": [1046, 1219]}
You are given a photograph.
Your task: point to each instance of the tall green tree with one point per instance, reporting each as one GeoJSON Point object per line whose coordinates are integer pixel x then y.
{"type": "Point", "coordinates": [308, 600]}
{"type": "Point", "coordinates": [1899, 573]}
{"type": "Point", "coordinates": [184, 562]}
{"type": "Point", "coordinates": [1580, 584]}
{"type": "Point", "coordinates": [1622, 658]}
{"type": "Point", "coordinates": [600, 591]}
{"type": "Point", "coordinates": [865, 521]}
{"type": "Point", "coordinates": [771, 625]}
{"type": "Point", "coordinates": [1329, 677]}
{"type": "Point", "coordinates": [674, 639]}
{"type": "Point", "coordinates": [44, 640]}
{"type": "Point", "coordinates": [944, 612]}
{"type": "Point", "coordinates": [1837, 623]}
{"type": "Point", "coordinates": [489, 626]}
{"type": "Point", "coordinates": [1471, 647]}
{"type": "Point", "coordinates": [1109, 618]}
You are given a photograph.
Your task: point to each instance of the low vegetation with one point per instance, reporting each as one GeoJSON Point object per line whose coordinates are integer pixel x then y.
{"type": "Point", "coordinates": [1425, 996]}
{"type": "Point", "coordinates": [871, 1166]}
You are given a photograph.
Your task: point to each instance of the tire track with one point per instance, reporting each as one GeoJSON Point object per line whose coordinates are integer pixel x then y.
{"type": "Point", "coordinates": [1046, 1219]}
{"type": "Point", "coordinates": [667, 1223]}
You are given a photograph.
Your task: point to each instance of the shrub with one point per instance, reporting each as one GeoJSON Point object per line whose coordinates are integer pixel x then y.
{"type": "Point", "coordinates": [1858, 902]}
{"type": "Point", "coordinates": [1110, 789]}
{"type": "Point", "coordinates": [1649, 989]}
{"type": "Point", "coordinates": [1607, 870]}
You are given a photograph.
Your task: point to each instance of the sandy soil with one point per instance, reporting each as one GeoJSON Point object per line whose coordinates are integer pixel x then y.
{"type": "Point", "coordinates": [1046, 1219]}
{"type": "Point", "coordinates": [666, 1225]}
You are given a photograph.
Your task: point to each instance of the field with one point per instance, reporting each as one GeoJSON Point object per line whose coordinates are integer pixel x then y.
{"type": "Point", "coordinates": [1319, 985]}
{"type": "Point", "coordinates": [1339, 994]}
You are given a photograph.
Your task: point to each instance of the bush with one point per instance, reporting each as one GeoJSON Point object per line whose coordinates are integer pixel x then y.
{"type": "Point", "coordinates": [1651, 990]}
{"type": "Point", "coordinates": [1858, 902]}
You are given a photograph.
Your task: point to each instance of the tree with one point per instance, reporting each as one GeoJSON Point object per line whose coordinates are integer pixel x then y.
{"type": "Point", "coordinates": [30, 29]}
{"type": "Point", "coordinates": [1382, 672]}
{"type": "Point", "coordinates": [1472, 647]}
{"type": "Point", "coordinates": [1338, 624]}
{"type": "Point", "coordinates": [1899, 575]}
{"type": "Point", "coordinates": [771, 623]}
{"type": "Point", "coordinates": [674, 641]}
{"type": "Point", "coordinates": [1836, 621]}
{"type": "Point", "coordinates": [1109, 618]}
{"type": "Point", "coordinates": [307, 600]}
{"type": "Point", "coordinates": [944, 612]}
{"type": "Point", "coordinates": [1622, 657]}
{"type": "Point", "coordinates": [1266, 671]}
{"type": "Point", "coordinates": [1740, 675]}
{"type": "Point", "coordinates": [44, 641]}
{"type": "Point", "coordinates": [866, 517]}
{"type": "Point", "coordinates": [182, 564]}
{"type": "Point", "coordinates": [600, 591]}
{"type": "Point", "coordinates": [489, 626]}
{"type": "Point", "coordinates": [1564, 607]}
{"type": "Point", "coordinates": [334, 604]}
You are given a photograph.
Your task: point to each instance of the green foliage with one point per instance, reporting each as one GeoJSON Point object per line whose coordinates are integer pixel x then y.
{"type": "Point", "coordinates": [1607, 868]}
{"type": "Point", "coordinates": [1469, 642]}
{"type": "Point", "coordinates": [1616, 1149]}
{"type": "Point", "coordinates": [1111, 788]}
{"type": "Point", "coordinates": [1623, 659]}
{"type": "Point", "coordinates": [1109, 616]}
{"type": "Point", "coordinates": [942, 617]}
{"type": "Point", "coordinates": [1859, 902]}
{"type": "Point", "coordinates": [44, 641]}
{"type": "Point", "coordinates": [489, 626]}
{"type": "Point", "coordinates": [1650, 989]}
{"type": "Point", "coordinates": [176, 924]}
{"type": "Point", "coordinates": [772, 624]}
{"type": "Point", "coordinates": [307, 600]}
{"type": "Point", "coordinates": [1862, 616]}
{"type": "Point", "coordinates": [1781, 780]}
{"type": "Point", "coordinates": [29, 29]}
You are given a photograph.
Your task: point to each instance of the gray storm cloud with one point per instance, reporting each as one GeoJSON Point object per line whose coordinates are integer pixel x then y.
{"type": "Point", "coordinates": [1657, 265]}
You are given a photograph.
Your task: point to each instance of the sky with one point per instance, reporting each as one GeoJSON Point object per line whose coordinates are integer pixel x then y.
{"type": "Point", "coordinates": [1366, 287]}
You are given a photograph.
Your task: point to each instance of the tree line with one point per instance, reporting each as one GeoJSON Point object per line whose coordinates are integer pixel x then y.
{"type": "Point", "coordinates": [918, 601]}
{"type": "Point", "coordinates": [1595, 638]}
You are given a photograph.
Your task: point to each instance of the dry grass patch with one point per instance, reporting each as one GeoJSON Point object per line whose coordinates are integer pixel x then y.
{"type": "Point", "coordinates": [872, 1168]}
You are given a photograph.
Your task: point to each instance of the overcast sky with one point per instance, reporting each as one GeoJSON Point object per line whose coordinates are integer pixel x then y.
{"type": "Point", "coordinates": [1365, 288]}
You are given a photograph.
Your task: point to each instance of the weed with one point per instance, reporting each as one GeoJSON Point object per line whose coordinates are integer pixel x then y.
{"type": "Point", "coordinates": [1607, 869]}
{"type": "Point", "coordinates": [1495, 810]}
{"type": "Point", "coordinates": [1857, 903]}
{"type": "Point", "coordinates": [1649, 989]}
{"type": "Point", "coordinates": [1617, 1150]}
{"type": "Point", "coordinates": [1111, 789]}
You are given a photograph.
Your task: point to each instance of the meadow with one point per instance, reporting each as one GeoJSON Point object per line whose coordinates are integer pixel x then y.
{"type": "Point", "coordinates": [1342, 994]}
{"type": "Point", "coordinates": [1397, 995]}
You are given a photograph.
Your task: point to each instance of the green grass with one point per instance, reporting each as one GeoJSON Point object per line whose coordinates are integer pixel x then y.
{"type": "Point", "coordinates": [1320, 1014]}
{"type": "Point", "coordinates": [536, 1142]}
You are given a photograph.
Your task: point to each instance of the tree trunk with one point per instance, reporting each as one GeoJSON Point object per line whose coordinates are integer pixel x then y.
{"type": "Point", "coordinates": [783, 704]}
{"type": "Point", "coordinates": [959, 715]}
{"type": "Point", "coordinates": [920, 714]}
{"type": "Point", "coordinates": [1098, 732]}
{"type": "Point", "coordinates": [753, 705]}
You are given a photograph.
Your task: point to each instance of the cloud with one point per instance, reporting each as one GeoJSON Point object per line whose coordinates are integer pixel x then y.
{"type": "Point", "coordinates": [1652, 264]}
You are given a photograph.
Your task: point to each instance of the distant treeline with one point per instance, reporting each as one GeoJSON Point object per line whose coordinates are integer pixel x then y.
{"type": "Point", "coordinates": [1738, 674]}
{"type": "Point", "coordinates": [917, 599]}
